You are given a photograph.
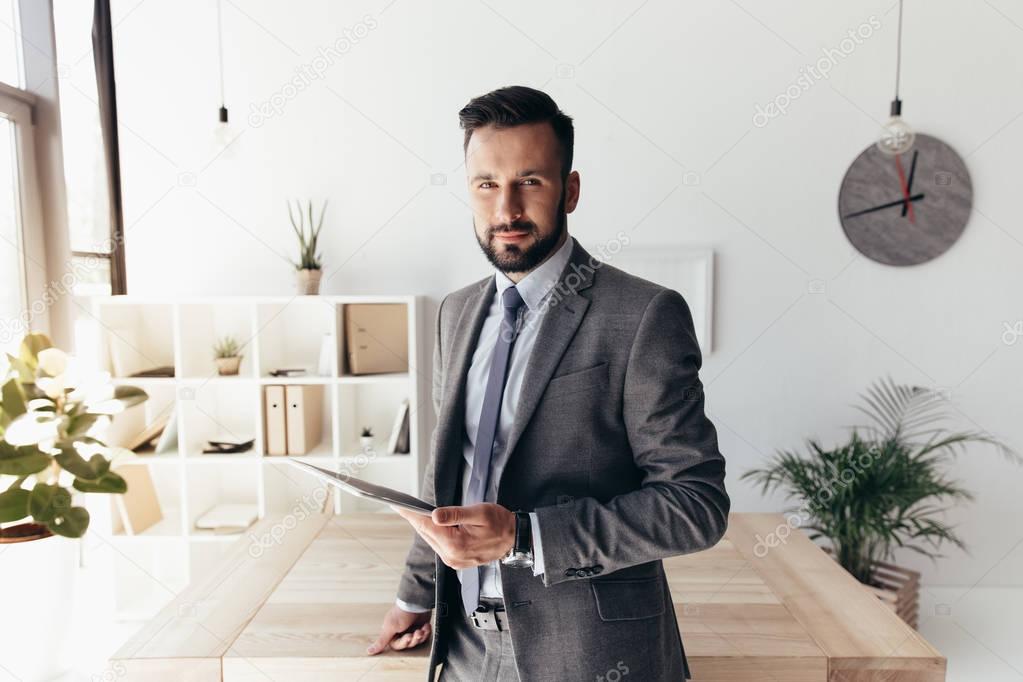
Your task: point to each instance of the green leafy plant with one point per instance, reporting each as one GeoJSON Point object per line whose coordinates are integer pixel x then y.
{"type": "Point", "coordinates": [226, 347]}
{"type": "Point", "coordinates": [48, 411]}
{"type": "Point", "coordinates": [885, 489]}
{"type": "Point", "coordinates": [310, 258]}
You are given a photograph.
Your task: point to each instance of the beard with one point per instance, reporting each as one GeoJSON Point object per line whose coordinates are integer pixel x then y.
{"type": "Point", "coordinates": [523, 257]}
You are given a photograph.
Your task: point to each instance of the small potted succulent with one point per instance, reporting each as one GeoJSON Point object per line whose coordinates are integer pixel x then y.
{"type": "Point", "coordinates": [226, 355]}
{"type": "Point", "coordinates": [366, 439]}
{"type": "Point", "coordinates": [310, 265]}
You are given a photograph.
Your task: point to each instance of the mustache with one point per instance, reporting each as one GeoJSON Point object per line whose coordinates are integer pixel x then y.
{"type": "Point", "coordinates": [517, 226]}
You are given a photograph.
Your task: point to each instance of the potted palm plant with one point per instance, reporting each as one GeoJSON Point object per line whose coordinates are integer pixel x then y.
{"type": "Point", "coordinates": [310, 265]}
{"type": "Point", "coordinates": [886, 489]}
{"type": "Point", "coordinates": [49, 457]}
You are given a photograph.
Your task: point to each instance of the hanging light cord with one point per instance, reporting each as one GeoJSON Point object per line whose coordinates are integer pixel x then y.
{"type": "Point", "coordinates": [220, 52]}
{"type": "Point", "coordinates": [898, 54]}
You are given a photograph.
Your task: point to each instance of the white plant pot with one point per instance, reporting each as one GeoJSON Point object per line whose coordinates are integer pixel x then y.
{"type": "Point", "coordinates": [39, 578]}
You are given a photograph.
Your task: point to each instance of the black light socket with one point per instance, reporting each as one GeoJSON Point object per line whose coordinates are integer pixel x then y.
{"type": "Point", "coordinates": [223, 114]}
{"type": "Point", "coordinates": [896, 107]}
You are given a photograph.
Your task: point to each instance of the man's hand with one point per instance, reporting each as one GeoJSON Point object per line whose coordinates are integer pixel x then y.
{"type": "Point", "coordinates": [464, 537]}
{"type": "Point", "coordinates": [401, 630]}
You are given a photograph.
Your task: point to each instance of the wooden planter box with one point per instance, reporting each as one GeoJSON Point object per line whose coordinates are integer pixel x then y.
{"type": "Point", "coordinates": [897, 587]}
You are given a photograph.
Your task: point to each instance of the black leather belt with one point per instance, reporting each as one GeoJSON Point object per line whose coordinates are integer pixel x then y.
{"type": "Point", "coordinates": [489, 616]}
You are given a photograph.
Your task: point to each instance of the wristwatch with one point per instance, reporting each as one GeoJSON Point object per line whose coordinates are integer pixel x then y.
{"type": "Point", "coordinates": [521, 553]}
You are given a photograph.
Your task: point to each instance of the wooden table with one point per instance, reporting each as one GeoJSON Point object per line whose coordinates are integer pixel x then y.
{"type": "Point", "coordinates": [304, 606]}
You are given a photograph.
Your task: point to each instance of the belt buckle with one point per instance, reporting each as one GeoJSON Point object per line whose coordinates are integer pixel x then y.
{"type": "Point", "coordinates": [486, 618]}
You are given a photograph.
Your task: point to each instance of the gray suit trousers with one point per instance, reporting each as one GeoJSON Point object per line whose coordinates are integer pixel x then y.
{"type": "Point", "coordinates": [475, 655]}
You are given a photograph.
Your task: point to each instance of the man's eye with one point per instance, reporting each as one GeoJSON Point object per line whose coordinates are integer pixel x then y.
{"type": "Point", "coordinates": [483, 185]}
{"type": "Point", "coordinates": [529, 180]}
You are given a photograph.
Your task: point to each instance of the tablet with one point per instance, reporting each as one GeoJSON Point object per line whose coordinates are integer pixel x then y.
{"type": "Point", "coordinates": [366, 489]}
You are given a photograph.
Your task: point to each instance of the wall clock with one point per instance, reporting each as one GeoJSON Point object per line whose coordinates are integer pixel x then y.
{"type": "Point", "coordinates": [905, 209]}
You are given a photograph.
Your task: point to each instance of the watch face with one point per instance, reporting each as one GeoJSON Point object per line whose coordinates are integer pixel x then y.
{"type": "Point", "coordinates": [907, 208]}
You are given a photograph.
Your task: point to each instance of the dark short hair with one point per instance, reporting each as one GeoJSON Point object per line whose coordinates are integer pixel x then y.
{"type": "Point", "coordinates": [516, 105]}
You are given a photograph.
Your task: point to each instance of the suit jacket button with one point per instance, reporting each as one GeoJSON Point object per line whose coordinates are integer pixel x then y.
{"type": "Point", "coordinates": [597, 569]}
{"type": "Point", "coordinates": [569, 572]}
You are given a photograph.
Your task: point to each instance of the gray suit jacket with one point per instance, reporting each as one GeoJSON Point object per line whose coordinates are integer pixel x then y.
{"type": "Point", "coordinates": [611, 447]}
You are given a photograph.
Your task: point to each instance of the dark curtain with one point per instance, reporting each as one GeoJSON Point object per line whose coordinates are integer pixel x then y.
{"type": "Point", "coordinates": [103, 57]}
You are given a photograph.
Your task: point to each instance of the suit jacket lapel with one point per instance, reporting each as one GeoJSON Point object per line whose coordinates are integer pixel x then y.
{"type": "Point", "coordinates": [451, 420]}
{"type": "Point", "coordinates": [565, 311]}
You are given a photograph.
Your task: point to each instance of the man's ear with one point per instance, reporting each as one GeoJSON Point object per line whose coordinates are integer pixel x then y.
{"type": "Point", "coordinates": [571, 191]}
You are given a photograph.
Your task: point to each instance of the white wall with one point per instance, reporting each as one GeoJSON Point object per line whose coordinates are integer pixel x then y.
{"type": "Point", "coordinates": [658, 90]}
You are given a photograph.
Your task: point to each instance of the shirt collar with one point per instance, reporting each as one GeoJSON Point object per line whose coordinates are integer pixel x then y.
{"type": "Point", "coordinates": [535, 286]}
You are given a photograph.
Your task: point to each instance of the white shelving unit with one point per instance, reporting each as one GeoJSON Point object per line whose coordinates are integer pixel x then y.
{"type": "Point", "coordinates": [274, 332]}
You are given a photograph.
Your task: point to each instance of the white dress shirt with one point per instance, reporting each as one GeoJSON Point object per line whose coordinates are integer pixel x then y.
{"type": "Point", "coordinates": [534, 289]}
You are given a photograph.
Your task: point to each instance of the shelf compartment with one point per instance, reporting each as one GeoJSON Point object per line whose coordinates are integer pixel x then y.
{"type": "Point", "coordinates": [219, 483]}
{"type": "Point", "coordinates": [135, 336]}
{"type": "Point", "coordinates": [203, 325]}
{"type": "Point", "coordinates": [217, 411]}
{"type": "Point", "coordinates": [372, 404]}
{"type": "Point", "coordinates": [126, 426]}
{"type": "Point", "coordinates": [290, 402]}
{"type": "Point", "coordinates": [298, 334]}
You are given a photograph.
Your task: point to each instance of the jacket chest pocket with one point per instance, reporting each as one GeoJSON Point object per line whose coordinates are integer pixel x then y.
{"type": "Point", "coordinates": [628, 599]}
{"type": "Point", "coordinates": [577, 381]}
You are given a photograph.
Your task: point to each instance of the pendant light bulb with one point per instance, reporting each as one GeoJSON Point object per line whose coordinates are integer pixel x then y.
{"type": "Point", "coordinates": [897, 137]}
{"type": "Point", "coordinates": [223, 135]}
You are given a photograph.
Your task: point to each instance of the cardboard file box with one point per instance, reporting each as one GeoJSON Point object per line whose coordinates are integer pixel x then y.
{"type": "Point", "coordinates": [376, 337]}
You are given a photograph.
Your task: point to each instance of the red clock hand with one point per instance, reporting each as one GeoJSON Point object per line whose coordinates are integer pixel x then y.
{"type": "Point", "coordinates": [905, 186]}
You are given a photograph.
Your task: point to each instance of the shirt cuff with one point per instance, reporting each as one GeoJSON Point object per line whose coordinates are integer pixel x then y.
{"type": "Point", "coordinates": [411, 608]}
{"type": "Point", "coordinates": [534, 526]}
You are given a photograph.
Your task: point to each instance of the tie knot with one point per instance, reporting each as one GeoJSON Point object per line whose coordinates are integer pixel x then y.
{"type": "Point", "coordinates": [512, 299]}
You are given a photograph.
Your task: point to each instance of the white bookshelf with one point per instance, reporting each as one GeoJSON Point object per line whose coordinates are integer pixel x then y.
{"type": "Point", "coordinates": [274, 331]}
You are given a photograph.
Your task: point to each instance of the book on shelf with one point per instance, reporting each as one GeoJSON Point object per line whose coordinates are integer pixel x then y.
{"type": "Point", "coordinates": [147, 435]}
{"type": "Point", "coordinates": [398, 443]}
{"type": "Point", "coordinates": [227, 518]}
{"type": "Point", "coordinates": [289, 372]}
{"type": "Point", "coordinates": [138, 508]}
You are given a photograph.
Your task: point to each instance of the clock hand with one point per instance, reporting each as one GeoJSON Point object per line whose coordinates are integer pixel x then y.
{"type": "Point", "coordinates": [915, 197]}
{"type": "Point", "coordinates": [909, 185]}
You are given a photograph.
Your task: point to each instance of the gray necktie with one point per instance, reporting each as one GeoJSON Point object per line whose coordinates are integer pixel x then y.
{"type": "Point", "coordinates": [479, 480]}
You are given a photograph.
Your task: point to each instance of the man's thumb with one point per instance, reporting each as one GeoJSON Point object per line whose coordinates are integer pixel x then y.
{"type": "Point", "coordinates": [380, 644]}
{"type": "Point", "coordinates": [447, 516]}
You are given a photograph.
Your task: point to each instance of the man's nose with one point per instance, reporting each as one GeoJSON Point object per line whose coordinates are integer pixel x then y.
{"type": "Point", "coordinates": [509, 207]}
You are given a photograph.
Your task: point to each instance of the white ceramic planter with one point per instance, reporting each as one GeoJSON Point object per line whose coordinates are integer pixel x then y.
{"type": "Point", "coordinates": [38, 578]}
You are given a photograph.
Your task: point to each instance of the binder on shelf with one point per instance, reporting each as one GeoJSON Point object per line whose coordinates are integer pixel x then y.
{"type": "Point", "coordinates": [376, 337]}
{"type": "Point", "coordinates": [274, 425]}
{"type": "Point", "coordinates": [304, 415]}
{"type": "Point", "coordinates": [138, 508]}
